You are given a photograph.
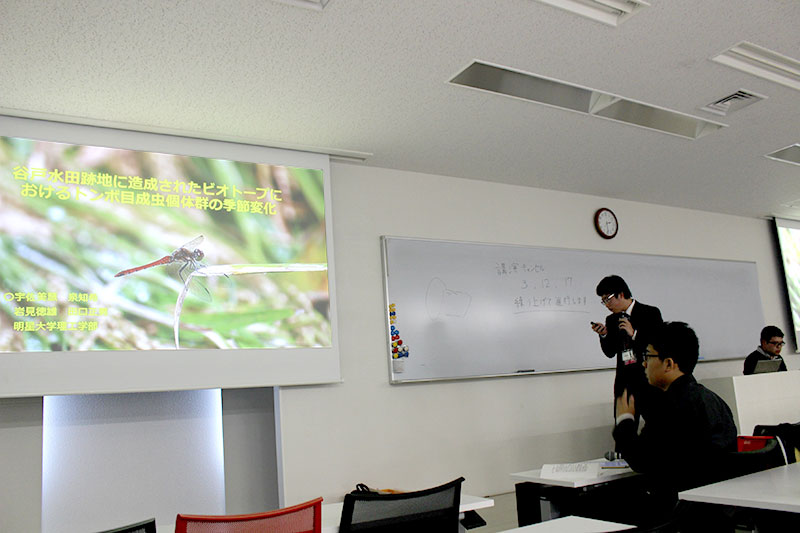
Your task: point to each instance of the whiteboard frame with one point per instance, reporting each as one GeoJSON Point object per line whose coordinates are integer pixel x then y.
{"type": "Point", "coordinates": [394, 380]}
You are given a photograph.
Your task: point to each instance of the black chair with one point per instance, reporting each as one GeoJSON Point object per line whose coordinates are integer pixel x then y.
{"type": "Point", "coordinates": [789, 435]}
{"type": "Point", "coordinates": [749, 462]}
{"type": "Point", "coordinates": [743, 463]}
{"type": "Point", "coordinates": [434, 509]}
{"type": "Point", "coordinates": [145, 526]}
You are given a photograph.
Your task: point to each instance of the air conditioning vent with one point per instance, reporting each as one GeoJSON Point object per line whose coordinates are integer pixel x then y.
{"type": "Point", "coordinates": [733, 102]}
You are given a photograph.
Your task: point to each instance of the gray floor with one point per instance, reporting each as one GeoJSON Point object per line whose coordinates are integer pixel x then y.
{"type": "Point", "coordinates": [501, 517]}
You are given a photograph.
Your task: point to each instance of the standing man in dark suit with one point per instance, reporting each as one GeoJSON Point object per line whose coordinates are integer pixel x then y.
{"type": "Point", "coordinates": [625, 335]}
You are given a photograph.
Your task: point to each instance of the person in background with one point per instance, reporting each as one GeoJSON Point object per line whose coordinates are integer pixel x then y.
{"type": "Point", "coordinates": [625, 335]}
{"type": "Point", "coordinates": [771, 344]}
{"type": "Point", "coordinates": [686, 441]}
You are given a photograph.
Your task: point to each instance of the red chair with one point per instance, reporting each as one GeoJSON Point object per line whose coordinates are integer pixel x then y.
{"type": "Point", "coordinates": [302, 518]}
{"type": "Point", "coordinates": [748, 443]}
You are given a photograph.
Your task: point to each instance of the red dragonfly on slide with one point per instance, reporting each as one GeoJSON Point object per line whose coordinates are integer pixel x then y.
{"type": "Point", "coordinates": [186, 258]}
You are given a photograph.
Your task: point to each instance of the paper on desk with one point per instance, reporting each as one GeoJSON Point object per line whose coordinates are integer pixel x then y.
{"type": "Point", "coordinates": [571, 470]}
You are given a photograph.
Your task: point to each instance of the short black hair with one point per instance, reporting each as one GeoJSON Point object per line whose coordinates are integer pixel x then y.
{"type": "Point", "coordinates": [613, 285]}
{"type": "Point", "coordinates": [677, 341]}
{"type": "Point", "coordinates": [771, 331]}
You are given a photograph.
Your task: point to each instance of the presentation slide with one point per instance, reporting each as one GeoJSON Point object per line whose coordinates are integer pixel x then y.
{"type": "Point", "coordinates": [112, 249]}
{"type": "Point", "coordinates": [789, 239]}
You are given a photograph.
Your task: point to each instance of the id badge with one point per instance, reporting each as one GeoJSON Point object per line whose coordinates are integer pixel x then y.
{"type": "Point", "coordinates": [628, 357]}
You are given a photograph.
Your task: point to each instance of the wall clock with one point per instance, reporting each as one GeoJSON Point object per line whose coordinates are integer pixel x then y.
{"type": "Point", "coordinates": [605, 222]}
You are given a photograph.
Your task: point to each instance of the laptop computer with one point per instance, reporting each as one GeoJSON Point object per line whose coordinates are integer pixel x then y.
{"type": "Point", "coordinates": [767, 365]}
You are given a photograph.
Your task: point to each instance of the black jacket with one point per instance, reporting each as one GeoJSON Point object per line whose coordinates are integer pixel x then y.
{"type": "Point", "coordinates": [685, 440]}
{"type": "Point", "coordinates": [644, 319]}
{"type": "Point", "coordinates": [755, 357]}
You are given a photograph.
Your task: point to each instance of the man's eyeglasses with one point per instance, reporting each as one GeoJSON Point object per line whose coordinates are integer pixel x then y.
{"type": "Point", "coordinates": [778, 344]}
{"type": "Point", "coordinates": [605, 299]}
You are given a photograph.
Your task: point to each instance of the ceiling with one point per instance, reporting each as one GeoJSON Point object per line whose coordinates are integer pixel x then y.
{"type": "Point", "coordinates": [369, 79]}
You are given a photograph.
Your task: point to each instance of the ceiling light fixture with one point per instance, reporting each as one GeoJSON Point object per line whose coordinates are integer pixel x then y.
{"type": "Point", "coordinates": [317, 5]}
{"type": "Point", "coordinates": [761, 62]}
{"type": "Point", "coordinates": [790, 154]}
{"type": "Point", "coordinates": [554, 93]}
{"type": "Point", "coordinates": [611, 12]}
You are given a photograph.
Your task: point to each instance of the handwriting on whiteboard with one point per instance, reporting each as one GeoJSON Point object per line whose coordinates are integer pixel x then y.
{"type": "Point", "coordinates": [536, 289]}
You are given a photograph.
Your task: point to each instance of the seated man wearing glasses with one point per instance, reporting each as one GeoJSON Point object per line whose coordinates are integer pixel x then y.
{"type": "Point", "coordinates": [686, 440]}
{"type": "Point", "coordinates": [770, 349]}
{"type": "Point", "coordinates": [625, 335]}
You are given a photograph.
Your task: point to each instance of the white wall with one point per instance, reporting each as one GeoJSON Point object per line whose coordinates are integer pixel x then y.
{"type": "Point", "coordinates": [415, 435]}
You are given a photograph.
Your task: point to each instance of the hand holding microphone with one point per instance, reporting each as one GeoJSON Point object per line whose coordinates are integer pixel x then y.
{"type": "Point", "coordinates": [625, 324]}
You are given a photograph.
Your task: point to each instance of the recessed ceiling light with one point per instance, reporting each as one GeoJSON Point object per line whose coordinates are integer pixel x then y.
{"type": "Point", "coordinates": [550, 92]}
{"type": "Point", "coordinates": [761, 62]}
{"type": "Point", "coordinates": [317, 5]}
{"type": "Point", "coordinates": [790, 154]}
{"type": "Point", "coordinates": [611, 12]}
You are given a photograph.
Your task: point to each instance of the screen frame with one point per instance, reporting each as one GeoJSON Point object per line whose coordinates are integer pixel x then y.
{"type": "Point", "coordinates": [47, 373]}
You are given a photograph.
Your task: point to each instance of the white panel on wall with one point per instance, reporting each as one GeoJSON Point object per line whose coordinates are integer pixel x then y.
{"type": "Point", "coordinates": [20, 464]}
{"type": "Point", "coordinates": [108, 460]}
{"type": "Point", "coordinates": [251, 470]}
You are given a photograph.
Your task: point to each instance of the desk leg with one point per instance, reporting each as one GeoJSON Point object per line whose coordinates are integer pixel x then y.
{"type": "Point", "coordinates": [528, 506]}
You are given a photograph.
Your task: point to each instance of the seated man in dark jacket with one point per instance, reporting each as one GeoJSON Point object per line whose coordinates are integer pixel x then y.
{"type": "Point", "coordinates": [770, 348]}
{"type": "Point", "coordinates": [687, 436]}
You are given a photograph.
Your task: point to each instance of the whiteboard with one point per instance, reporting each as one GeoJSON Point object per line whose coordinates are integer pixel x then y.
{"type": "Point", "coordinates": [465, 310]}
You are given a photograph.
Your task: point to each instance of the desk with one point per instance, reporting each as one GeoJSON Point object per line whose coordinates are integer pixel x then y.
{"type": "Point", "coordinates": [332, 512]}
{"type": "Point", "coordinates": [776, 489]}
{"type": "Point", "coordinates": [572, 524]}
{"type": "Point", "coordinates": [530, 486]}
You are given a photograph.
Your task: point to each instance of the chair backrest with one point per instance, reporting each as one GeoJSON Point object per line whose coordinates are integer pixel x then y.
{"type": "Point", "coordinates": [434, 509]}
{"type": "Point", "coordinates": [302, 518]}
{"type": "Point", "coordinates": [743, 463]}
{"type": "Point", "coordinates": [751, 443]}
{"type": "Point", "coordinates": [145, 526]}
